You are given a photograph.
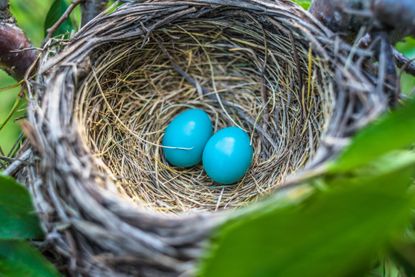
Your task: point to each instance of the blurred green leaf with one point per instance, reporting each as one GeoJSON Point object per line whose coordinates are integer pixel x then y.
{"type": "Point", "coordinates": [338, 232]}
{"type": "Point", "coordinates": [303, 3]}
{"type": "Point", "coordinates": [387, 163]}
{"type": "Point", "coordinates": [18, 258]}
{"type": "Point", "coordinates": [56, 11]}
{"type": "Point", "coordinates": [407, 47]}
{"type": "Point", "coordinates": [404, 255]}
{"type": "Point", "coordinates": [17, 216]}
{"type": "Point", "coordinates": [30, 16]}
{"type": "Point", "coordinates": [392, 132]}
{"type": "Point", "coordinates": [386, 268]}
{"type": "Point", "coordinates": [10, 132]}
{"type": "Point", "coordinates": [408, 84]}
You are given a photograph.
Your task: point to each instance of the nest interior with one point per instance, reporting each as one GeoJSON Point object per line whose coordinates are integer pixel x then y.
{"type": "Point", "coordinates": [230, 66]}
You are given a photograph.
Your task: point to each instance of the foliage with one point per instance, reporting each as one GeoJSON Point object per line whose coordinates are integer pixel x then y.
{"type": "Point", "coordinates": [379, 139]}
{"type": "Point", "coordinates": [408, 47]}
{"type": "Point", "coordinates": [17, 217]}
{"type": "Point", "coordinates": [336, 233]}
{"type": "Point", "coordinates": [30, 16]}
{"type": "Point", "coordinates": [303, 3]}
{"type": "Point", "coordinates": [18, 222]}
{"type": "Point", "coordinates": [342, 227]}
{"type": "Point", "coordinates": [56, 11]}
{"type": "Point", "coordinates": [18, 258]}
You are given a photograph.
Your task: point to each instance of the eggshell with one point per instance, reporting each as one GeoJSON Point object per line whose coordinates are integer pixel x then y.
{"type": "Point", "coordinates": [228, 155]}
{"type": "Point", "coordinates": [185, 138]}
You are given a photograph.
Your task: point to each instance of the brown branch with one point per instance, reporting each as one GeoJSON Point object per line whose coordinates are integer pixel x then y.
{"type": "Point", "coordinates": [4, 10]}
{"type": "Point", "coordinates": [91, 8]}
{"type": "Point", "coordinates": [16, 52]}
{"type": "Point", "coordinates": [398, 15]}
{"type": "Point", "coordinates": [395, 17]}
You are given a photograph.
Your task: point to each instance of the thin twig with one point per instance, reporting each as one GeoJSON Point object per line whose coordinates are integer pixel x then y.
{"type": "Point", "coordinates": [64, 17]}
{"type": "Point", "coordinates": [406, 64]}
{"type": "Point", "coordinates": [18, 163]}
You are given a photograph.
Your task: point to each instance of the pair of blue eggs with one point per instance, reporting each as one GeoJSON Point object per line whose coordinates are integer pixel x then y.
{"type": "Point", "coordinates": [188, 140]}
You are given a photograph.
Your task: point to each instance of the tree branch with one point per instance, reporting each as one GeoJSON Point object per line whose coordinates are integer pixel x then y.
{"type": "Point", "coordinates": [4, 10]}
{"type": "Point", "coordinates": [396, 14]}
{"type": "Point", "coordinates": [91, 8]}
{"type": "Point", "coordinates": [16, 54]}
{"type": "Point", "coordinates": [395, 17]}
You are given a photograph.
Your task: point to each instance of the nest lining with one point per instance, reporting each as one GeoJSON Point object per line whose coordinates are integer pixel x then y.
{"type": "Point", "coordinates": [237, 72]}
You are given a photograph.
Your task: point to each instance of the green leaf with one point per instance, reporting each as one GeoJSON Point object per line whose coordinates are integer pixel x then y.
{"type": "Point", "coordinates": [56, 11]}
{"type": "Point", "coordinates": [303, 3]}
{"type": "Point", "coordinates": [393, 132]}
{"type": "Point", "coordinates": [337, 232]}
{"type": "Point", "coordinates": [18, 258]}
{"type": "Point", "coordinates": [17, 216]}
{"type": "Point", "coordinates": [404, 255]}
{"type": "Point", "coordinates": [407, 47]}
{"type": "Point", "coordinates": [390, 162]}
{"type": "Point", "coordinates": [386, 268]}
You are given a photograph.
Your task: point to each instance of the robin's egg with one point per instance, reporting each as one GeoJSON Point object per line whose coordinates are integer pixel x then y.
{"type": "Point", "coordinates": [185, 138]}
{"type": "Point", "coordinates": [228, 155]}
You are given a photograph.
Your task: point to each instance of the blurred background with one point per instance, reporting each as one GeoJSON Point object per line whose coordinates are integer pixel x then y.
{"type": "Point", "coordinates": [31, 14]}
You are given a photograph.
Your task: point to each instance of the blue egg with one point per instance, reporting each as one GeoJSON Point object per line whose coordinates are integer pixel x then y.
{"type": "Point", "coordinates": [185, 138]}
{"type": "Point", "coordinates": [228, 155]}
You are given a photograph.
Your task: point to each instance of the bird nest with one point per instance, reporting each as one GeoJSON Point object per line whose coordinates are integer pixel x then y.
{"type": "Point", "coordinates": [109, 201]}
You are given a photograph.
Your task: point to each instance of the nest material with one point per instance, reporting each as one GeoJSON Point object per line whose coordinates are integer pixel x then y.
{"type": "Point", "coordinates": [235, 70]}
{"type": "Point", "coordinates": [98, 110]}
